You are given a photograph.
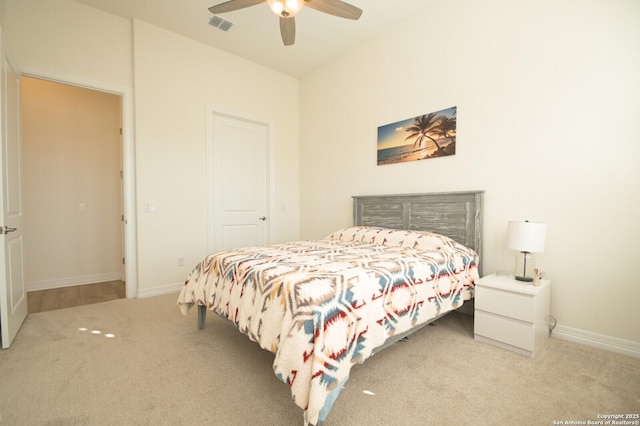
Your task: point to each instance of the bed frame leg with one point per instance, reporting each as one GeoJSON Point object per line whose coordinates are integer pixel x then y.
{"type": "Point", "coordinates": [202, 316]}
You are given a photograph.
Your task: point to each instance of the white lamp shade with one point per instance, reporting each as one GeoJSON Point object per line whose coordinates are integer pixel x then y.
{"type": "Point", "coordinates": [526, 236]}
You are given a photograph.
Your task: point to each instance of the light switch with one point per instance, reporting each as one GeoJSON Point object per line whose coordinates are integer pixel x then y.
{"type": "Point", "coordinates": [83, 207]}
{"type": "Point", "coordinates": [150, 208]}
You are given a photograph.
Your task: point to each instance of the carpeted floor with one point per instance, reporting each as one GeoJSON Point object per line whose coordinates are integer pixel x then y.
{"type": "Point", "coordinates": [158, 369]}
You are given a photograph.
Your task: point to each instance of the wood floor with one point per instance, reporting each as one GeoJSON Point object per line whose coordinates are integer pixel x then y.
{"type": "Point", "coordinates": [68, 297]}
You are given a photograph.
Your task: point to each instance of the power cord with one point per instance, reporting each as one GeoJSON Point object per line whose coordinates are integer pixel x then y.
{"type": "Point", "coordinates": [551, 323]}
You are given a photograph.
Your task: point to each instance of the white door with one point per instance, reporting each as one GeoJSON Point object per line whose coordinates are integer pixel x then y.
{"type": "Point", "coordinates": [238, 182]}
{"type": "Point", "coordinates": [13, 295]}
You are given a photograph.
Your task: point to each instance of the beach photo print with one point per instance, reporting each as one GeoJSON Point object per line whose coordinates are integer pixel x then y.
{"type": "Point", "coordinates": [426, 136]}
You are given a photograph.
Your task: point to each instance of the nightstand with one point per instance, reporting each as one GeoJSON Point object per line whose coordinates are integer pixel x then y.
{"type": "Point", "coordinates": [512, 314]}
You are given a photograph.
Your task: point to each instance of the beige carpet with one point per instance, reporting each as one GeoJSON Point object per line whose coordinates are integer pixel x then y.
{"type": "Point", "coordinates": [158, 369]}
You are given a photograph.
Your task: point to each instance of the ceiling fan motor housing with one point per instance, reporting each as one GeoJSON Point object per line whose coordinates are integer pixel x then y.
{"type": "Point", "coordinates": [286, 8]}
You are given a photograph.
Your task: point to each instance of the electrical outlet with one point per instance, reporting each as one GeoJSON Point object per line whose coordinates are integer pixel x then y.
{"type": "Point", "coordinates": [180, 260]}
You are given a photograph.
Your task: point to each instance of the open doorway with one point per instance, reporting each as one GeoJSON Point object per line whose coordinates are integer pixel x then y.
{"type": "Point", "coordinates": [73, 189]}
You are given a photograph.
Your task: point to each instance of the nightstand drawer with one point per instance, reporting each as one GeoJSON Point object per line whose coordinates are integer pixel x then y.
{"type": "Point", "coordinates": [506, 303]}
{"type": "Point", "coordinates": [505, 330]}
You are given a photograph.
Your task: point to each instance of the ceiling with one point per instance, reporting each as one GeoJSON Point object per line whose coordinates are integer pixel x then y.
{"type": "Point", "coordinates": [255, 34]}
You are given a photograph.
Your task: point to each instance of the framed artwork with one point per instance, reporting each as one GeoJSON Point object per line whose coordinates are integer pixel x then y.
{"type": "Point", "coordinates": [426, 136]}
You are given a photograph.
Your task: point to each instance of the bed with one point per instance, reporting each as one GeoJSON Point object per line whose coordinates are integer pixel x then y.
{"type": "Point", "coordinates": [323, 306]}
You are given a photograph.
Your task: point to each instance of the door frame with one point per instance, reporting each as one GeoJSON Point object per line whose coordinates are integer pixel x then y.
{"type": "Point", "coordinates": [128, 163]}
{"type": "Point", "coordinates": [211, 111]}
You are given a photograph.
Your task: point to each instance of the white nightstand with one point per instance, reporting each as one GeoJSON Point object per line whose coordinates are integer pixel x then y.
{"type": "Point", "coordinates": [512, 314]}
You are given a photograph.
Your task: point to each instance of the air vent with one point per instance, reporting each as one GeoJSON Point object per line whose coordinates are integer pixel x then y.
{"type": "Point", "coordinates": [220, 23]}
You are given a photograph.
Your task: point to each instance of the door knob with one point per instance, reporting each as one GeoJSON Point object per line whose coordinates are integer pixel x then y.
{"type": "Point", "coordinates": [7, 229]}
{"type": "Point", "coordinates": [262, 218]}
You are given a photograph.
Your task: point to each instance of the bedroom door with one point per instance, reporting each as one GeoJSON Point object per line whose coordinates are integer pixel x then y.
{"type": "Point", "coordinates": [13, 294]}
{"type": "Point", "coordinates": [238, 182]}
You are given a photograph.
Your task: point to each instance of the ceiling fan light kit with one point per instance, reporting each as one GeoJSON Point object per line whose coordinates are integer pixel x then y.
{"type": "Point", "coordinates": [287, 9]}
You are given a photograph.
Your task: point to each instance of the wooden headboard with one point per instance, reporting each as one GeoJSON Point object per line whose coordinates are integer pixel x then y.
{"type": "Point", "coordinates": [457, 215]}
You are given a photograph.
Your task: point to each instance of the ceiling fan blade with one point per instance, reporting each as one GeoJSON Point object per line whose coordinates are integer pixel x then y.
{"type": "Point", "coordinates": [231, 5]}
{"type": "Point", "coordinates": [335, 8]}
{"type": "Point", "coordinates": [288, 30]}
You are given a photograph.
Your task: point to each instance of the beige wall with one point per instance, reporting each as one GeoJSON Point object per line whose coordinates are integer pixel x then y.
{"type": "Point", "coordinates": [69, 39]}
{"type": "Point", "coordinates": [70, 156]}
{"type": "Point", "coordinates": [176, 81]}
{"type": "Point", "coordinates": [548, 100]}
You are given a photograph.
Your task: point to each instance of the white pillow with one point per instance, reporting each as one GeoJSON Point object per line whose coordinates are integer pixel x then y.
{"type": "Point", "coordinates": [390, 237]}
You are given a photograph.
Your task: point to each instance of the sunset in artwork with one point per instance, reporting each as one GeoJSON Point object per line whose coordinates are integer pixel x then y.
{"type": "Point", "coordinates": [426, 136]}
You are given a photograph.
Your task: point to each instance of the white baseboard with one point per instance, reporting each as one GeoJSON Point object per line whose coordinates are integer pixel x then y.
{"type": "Point", "coordinates": [158, 291]}
{"type": "Point", "coordinates": [71, 281]}
{"type": "Point", "coordinates": [600, 341]}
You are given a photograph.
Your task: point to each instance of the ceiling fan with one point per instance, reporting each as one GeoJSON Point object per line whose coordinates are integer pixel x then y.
{"type": "Point", "coordinates": [288, 9]}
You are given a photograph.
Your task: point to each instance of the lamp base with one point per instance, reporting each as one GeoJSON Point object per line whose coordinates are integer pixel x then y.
{"type": "Point", "coordinates": [525, 279]}
{"type": "Point", "coordinates": [524, 267]}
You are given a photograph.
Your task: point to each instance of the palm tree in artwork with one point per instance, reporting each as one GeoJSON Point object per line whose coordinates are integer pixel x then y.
{"type": "Point", "coordinates": [422, 128]}
{"type": "Point", "coordinates": [447, 126]}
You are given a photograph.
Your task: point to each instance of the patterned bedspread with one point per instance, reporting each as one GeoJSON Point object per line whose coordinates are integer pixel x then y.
{"type": "Point", "coordinates": [321, 306]}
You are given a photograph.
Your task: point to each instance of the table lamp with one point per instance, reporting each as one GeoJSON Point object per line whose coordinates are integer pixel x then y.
{"type": "Point", "coordinates": [527, 238]}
